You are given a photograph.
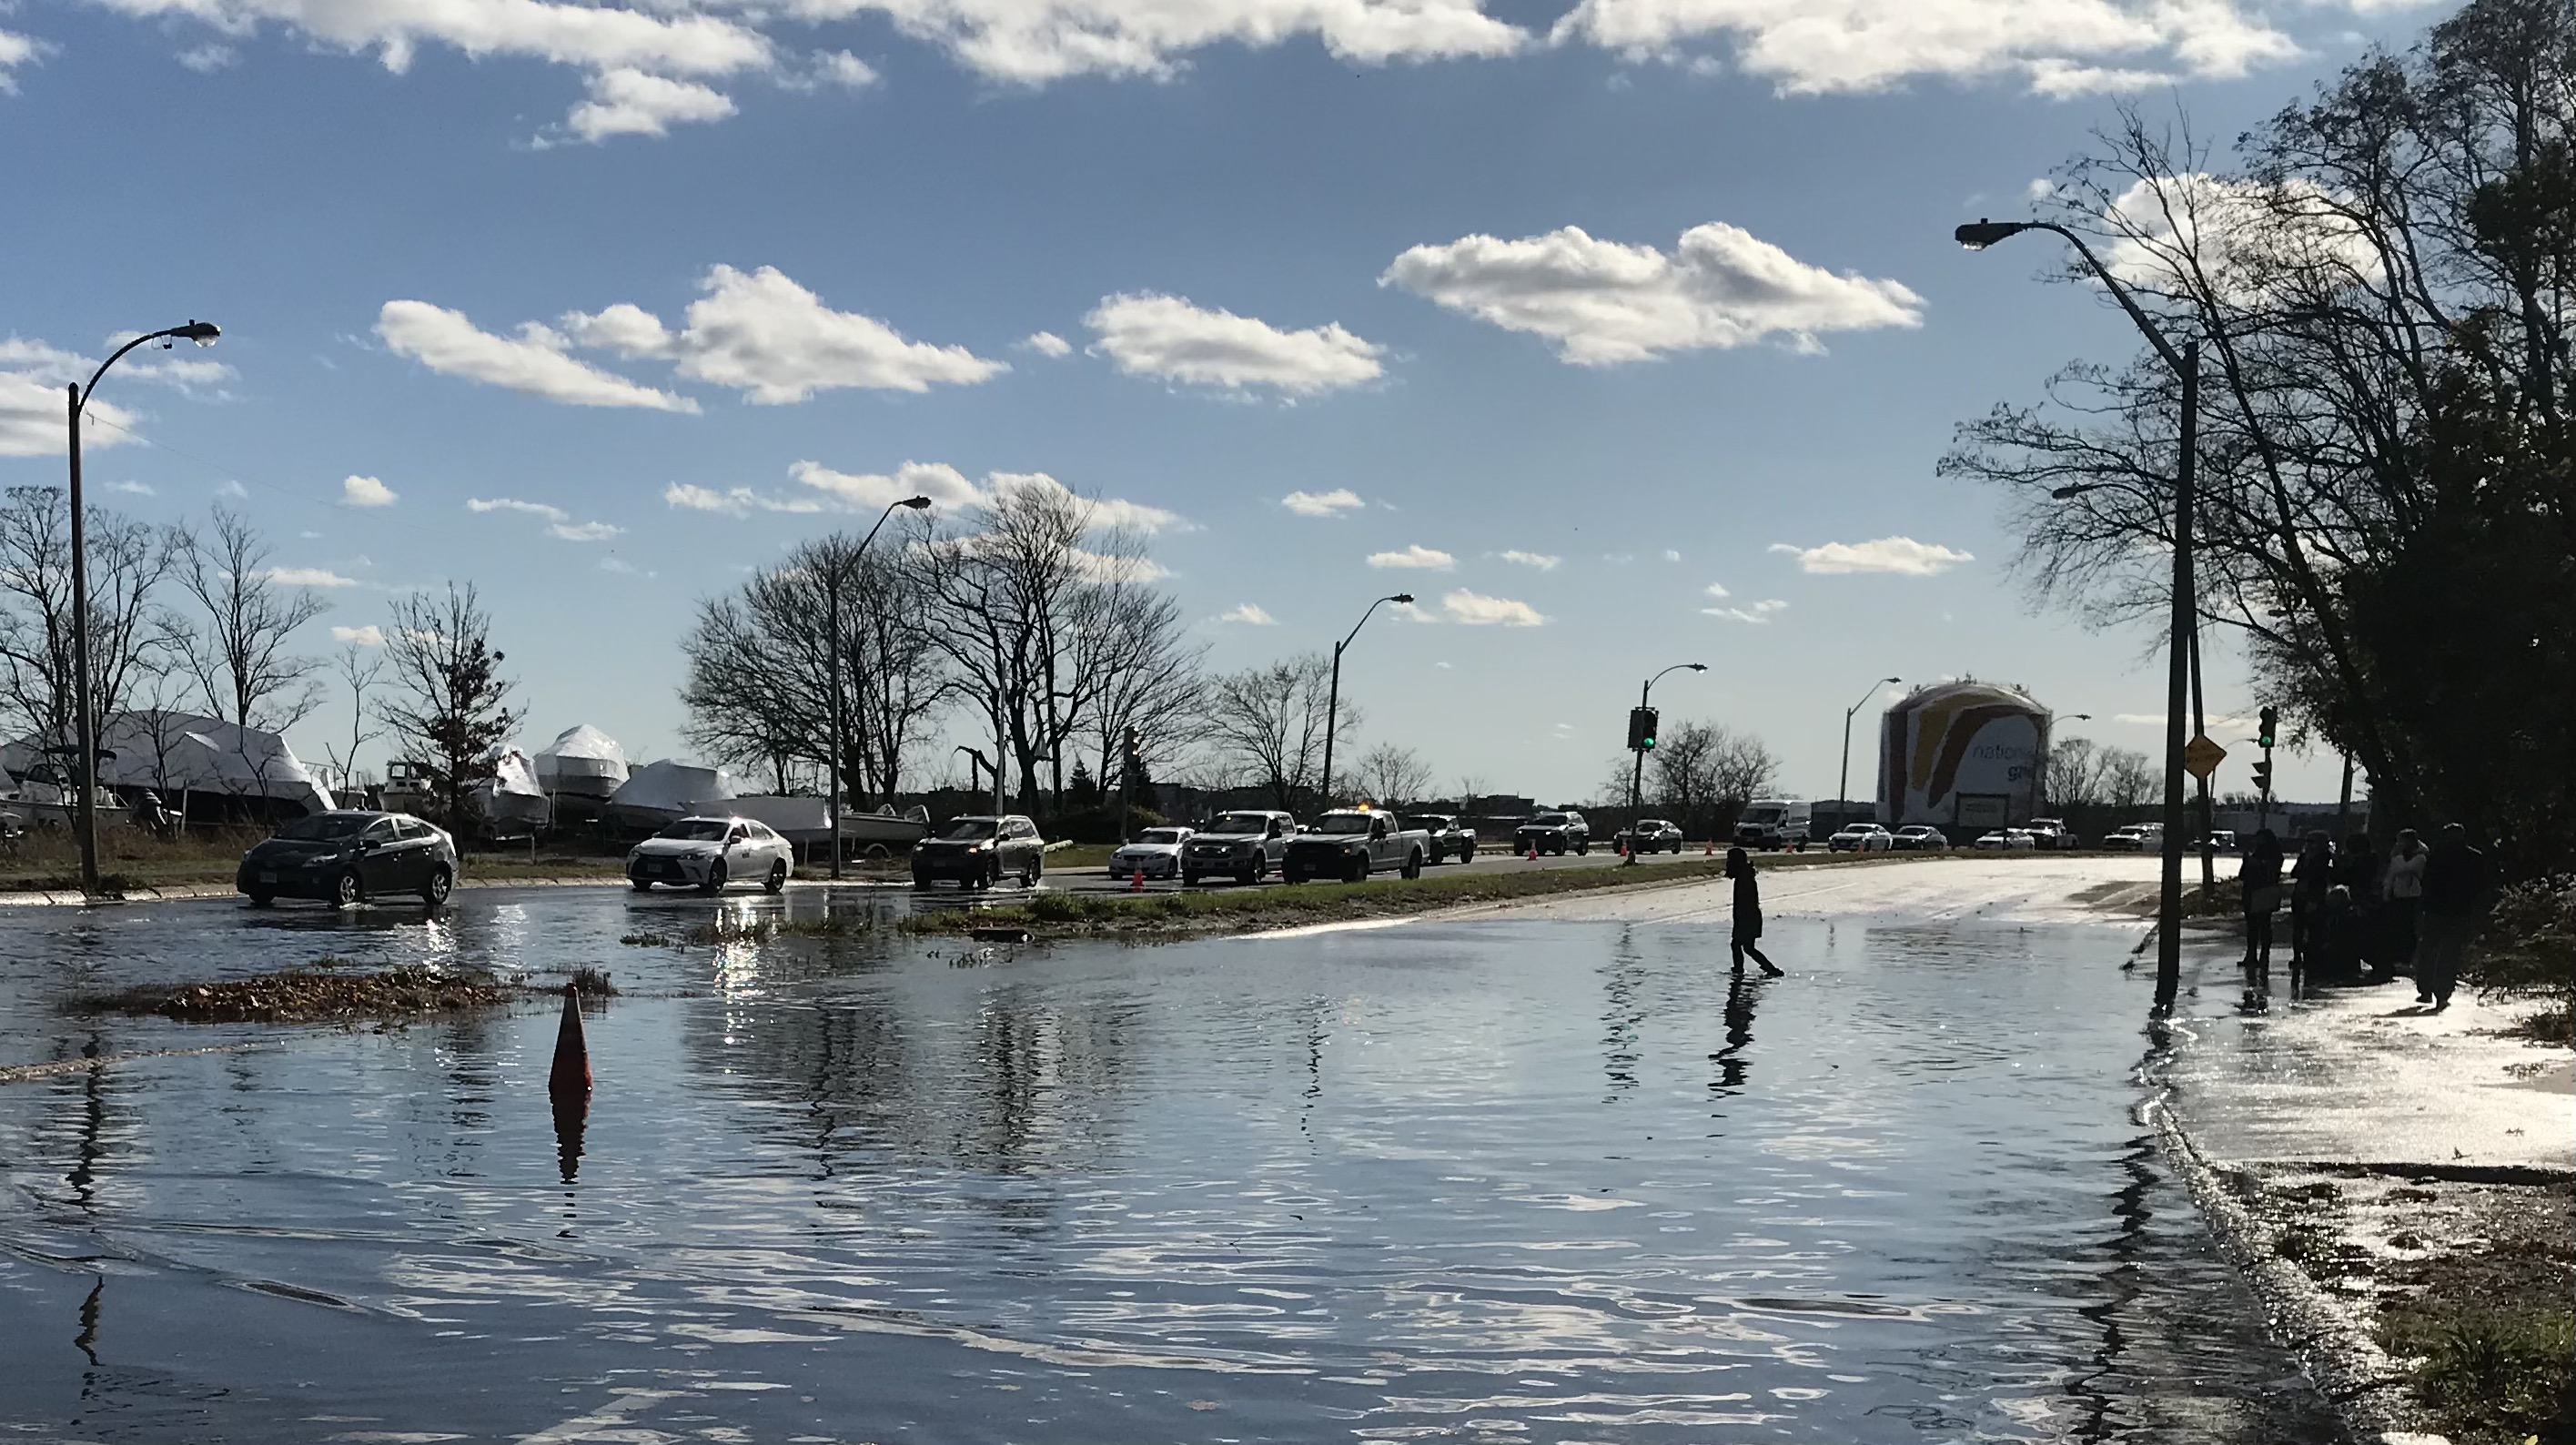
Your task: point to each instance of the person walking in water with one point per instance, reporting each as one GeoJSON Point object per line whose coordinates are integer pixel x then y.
{"type": "Point", "coordinates": [1747, 937]}
{"type": "Point", "coordinates": [2259, 878]}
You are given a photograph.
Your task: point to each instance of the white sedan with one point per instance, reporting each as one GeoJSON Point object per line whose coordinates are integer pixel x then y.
{"type": "Point", "coordinates": [1156, 853]}
{"type": "Point", "coordinates": [1861, 838]}
{"type": "Point", "coordinates": [707, 853]}
{"type": "Point", "coordinates": [2018, 840]}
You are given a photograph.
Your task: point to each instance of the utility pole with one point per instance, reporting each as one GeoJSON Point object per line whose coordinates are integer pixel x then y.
{"type": "Point", "coordinates": [2186, 618]}
{"type": "Point", "coordinates": [2200, 729]}
{"type": "Point", "coordinates": [1333, 698]}
{"type": "Point", "coordinates": [1842, 784]}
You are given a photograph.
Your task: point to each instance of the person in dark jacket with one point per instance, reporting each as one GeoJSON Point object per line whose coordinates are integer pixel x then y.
{"type": "Point", "coordinates": [2310, 877]}
{"type": "Point", "coordinates": [1748, 912]}
{"type": "Point", "coordinates": [2455, 885]}
{"type": "Point", "coordinates": [2259, 878]}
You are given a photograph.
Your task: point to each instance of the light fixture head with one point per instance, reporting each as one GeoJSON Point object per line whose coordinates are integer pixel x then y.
{"type": "Point", "coordinates": [1697, 666]}
{"type": "Point", "coordinates": [1977, 235]}
{"type": "Point", "coordinates": [1405, 598]}
{"type": "Point", "coordinates": [916, 503]}
{"type": "Point", "coordinates": [201, 332]}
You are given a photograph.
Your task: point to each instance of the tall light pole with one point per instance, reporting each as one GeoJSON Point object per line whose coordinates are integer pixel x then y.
{"type": "Point", "coordinates": [2183, 643]}
{"type": "Point", "coordinates": [1333, 699]}
{"type": "Point", "coordinates": [1842, 787]}
{"type": "Point", "coordinates": [832, 626]}
{"type": "Point", "coordinates": [1637, 773]}
{"type": "Point", "coordinates": [85, 766]}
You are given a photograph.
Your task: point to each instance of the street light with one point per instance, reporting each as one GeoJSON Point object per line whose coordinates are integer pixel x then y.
{"type": "Point", "coordinates": [2184, 642]}
{"type": "Point", "coordinates": [85, 766]}
{"type": "Point", "coordinates": [832, 592]}
{"type": "Point", "coordinates": [1637, 775]}
{"type": "Point", "coordinates": [1842, 786]}
{"type": "Point", "coordinates": [1333, 699]}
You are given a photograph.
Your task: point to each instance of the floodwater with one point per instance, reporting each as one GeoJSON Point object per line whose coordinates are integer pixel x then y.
{"type": "Point", "coordinates": [1508, 1180]}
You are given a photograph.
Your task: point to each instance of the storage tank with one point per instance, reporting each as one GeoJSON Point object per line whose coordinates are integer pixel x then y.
{"type": "Point", "coordinates": [1965, 755]}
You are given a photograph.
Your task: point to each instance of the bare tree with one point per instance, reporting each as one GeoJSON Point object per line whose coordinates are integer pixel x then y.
{"type": "Point", "coordinates": [451, 708]}
{"type": "Point", "coordinates": [359, 669]}
{"type": "Point", "coordinates": [1699, 775]}
{"type": "Point", "coordinates": [238, 650]}
{"type": "Point", "coordinates": [2078, 769]}
{"type": "Point", "coordinates": [1391, 774]}
{"type": "Point", "coordinates": [1269, 722]}
{"type": "Point", "coordinates": [2130, 779]}
{"type": "Point", "coordinates": [1150, 680]}
{"type": "Point", "coordinates": [1472, 786]}
{"type": "Point", "coordinates": [130, 634]}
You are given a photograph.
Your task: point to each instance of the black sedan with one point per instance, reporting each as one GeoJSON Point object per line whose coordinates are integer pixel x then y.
{"type": "Point", "coordinates": [1651, 835]}
{"type": "Point", "coordinates": [350, 856]}
{"type": "Point", "coordinates": [979, 852]}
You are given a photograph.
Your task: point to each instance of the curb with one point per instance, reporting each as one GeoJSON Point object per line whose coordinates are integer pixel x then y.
{"type": "Point", "coordinates": [2357, 1379]}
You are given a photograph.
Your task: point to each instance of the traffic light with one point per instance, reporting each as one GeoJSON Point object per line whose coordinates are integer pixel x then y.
{"type": "Point", "coordinates": [2270, 731]}
{"type": "Point", "coordinates": [1641, 730]}
{"type": "Point", "coordinates": [2263, 777]}
{"type": "Point", "coordinates": [1132, 756]}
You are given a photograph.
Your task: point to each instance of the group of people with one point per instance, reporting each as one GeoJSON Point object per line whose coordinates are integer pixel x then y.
{"type": "Point", "coordinates": [2359, 917]}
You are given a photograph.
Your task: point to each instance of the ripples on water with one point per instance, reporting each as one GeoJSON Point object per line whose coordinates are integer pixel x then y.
{"type": "Point", "coordinates": [1502, 1181]}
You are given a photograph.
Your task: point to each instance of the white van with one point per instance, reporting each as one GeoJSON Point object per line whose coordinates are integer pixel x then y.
{"type": "Point", "coordinates": [1774, 823]}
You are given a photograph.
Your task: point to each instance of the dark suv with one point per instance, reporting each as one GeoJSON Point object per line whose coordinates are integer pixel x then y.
{"type": "Point", "coordinates": [1450, 838]}
{"type": "Point", "coordinates": [1553, 833]}
{"type": "Point", "coordinates": [981, 851]}
{"type": "Point", "coordinates": [348, 856]}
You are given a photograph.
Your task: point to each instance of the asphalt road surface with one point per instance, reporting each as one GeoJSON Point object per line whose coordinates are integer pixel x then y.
{"type": "Point", "coordinates": [1098, 880]}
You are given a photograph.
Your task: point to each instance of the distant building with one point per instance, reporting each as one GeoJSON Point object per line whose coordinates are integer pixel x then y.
{"type": "Point", "coordinates": [1965, 755]}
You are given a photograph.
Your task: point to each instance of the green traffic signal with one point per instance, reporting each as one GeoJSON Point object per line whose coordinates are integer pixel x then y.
{"type": "Point", "coordinates": [2270, 731]}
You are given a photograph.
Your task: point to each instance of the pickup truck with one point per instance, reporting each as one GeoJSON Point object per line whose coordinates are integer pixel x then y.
{"type": "Point", "coordinates": [1351, 845]}
{"type": "Point", "coordinates": [1245, 844]}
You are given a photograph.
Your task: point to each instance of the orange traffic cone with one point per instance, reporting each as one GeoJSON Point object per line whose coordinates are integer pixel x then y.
{"type": "Point", "coordinates": [569, 1081]}
{"type": "Point", "coordinates": [1619, 846]}
{"type": "Point", "coordinates": [1708, 849]}
{"type": "Point", "coordinates": [1533, 853]}
{"type": "Point", "coordinates": [1137, 883]}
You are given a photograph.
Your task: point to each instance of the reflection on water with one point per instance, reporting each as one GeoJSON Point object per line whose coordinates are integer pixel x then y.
{"type": "Point", "coordinates": [1502, 1181]}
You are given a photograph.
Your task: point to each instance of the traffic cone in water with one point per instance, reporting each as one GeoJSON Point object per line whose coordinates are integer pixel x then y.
{"type": "Point", "coordinates": [1137, 883]}
{"type": "Point", "coordinates": [569, 1081]}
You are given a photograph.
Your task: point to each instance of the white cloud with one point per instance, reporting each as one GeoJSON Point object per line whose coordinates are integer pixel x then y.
{"type": "Point", "coordinates": [1540, 560]}
{"type": "Point", "coordinates": [1046, 343]}
{"type": "Point", "coordinates": [1322, 504]}
{"type": "Point", "coordinates": [134, 489]}
{"type": "Point", "coordinates": [733, 501]}
{"type": "Point", "coordinates": [513, 504]}
{"type": "Point", "coordinates": [225, 488]}
{"type": "Point", "coordinates": [1718, 589]}
{"type": "Point", "coordinates": [630, 102]}
{"type": "Point", "coordinates": [1169, 338]}
{"type": "Point", "coordinates": [764, 335]}
{"type": "Point", "coordinates": [368, 636]}
{"type": "Point", "coordinates": [534, 362]}
{"type": "Point", "coordinates": [830, 67]}
{"type": "Point", "coordinates": [309, 577]}
{"type": "Point", "coordinates": [1415, 556]}
{"type": "Point", "coordinates": [2039, 189]}
{"type": "Point", "coordinates": [33, 374]}
{"type": "Point", "coordinates": [358, 491]}
{"type": "Point", "coordinates": [618, 565]}
{"type": "Point", "coordinates": [2058, 47]}
{"type": "Point", "coordinates": [1671, 556]}
{"type": "Point", "coordinates": [1901, 555]}
{"type": "Point", "coordinates": [1602, 302]}
{"type": "Point", "coordinates": [2239, 231]}
{"type": "Point", "coordinates": [17, 50]}
{"type": "Point", "coordinates": [208, 58]}
{"type": "Point", "coordinates": [585, 531]}
{"type": "Point", "coordinates": [1249, 614]}
{"type": "Point", "coordinates": [949, 490]}
{"type": "Point", "coordinates": [1758, 613]}
{"type": "Point", "coordinates": [1477, 610]}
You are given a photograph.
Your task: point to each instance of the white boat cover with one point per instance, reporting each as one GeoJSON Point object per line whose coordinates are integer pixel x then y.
{"type": "Point", "coordinates": [663, 792]}
{"type": "Point", "coordinates": [511, 794]}
{"type": "Point", "coordinates": [581, 759]}
{"type": "Point", "coordinates": [808, 819]}
{"type": "Point", "coordinates": [175, 752]}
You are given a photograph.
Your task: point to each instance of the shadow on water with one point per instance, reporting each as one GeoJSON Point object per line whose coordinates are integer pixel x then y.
{"type": "Point", "coordinates": [1442, 1182]}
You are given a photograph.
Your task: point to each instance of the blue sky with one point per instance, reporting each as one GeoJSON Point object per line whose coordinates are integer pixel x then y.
{"type": "Point", "coordinates": [1334, 262]}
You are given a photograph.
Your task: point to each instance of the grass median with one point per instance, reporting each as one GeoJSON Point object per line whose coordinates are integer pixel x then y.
{"type": "Point", "coordinates": [1155, 917]}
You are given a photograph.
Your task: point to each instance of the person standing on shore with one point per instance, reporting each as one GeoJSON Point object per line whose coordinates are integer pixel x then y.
{"type": "Point", "coordinates": [2402, 886]}
{"type": "Point", "coordinates": [1748, 912]}
{"type": "Point", "coordinates": [2455, 883]}
{"type": "Point", "coordinates": [2258, 878]}
{"type": "Point", "coordinates": [2310, 877]}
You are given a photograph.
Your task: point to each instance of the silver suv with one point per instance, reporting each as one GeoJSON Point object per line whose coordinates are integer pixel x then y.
{"type": "Point", "coordinates": [1249, 845]}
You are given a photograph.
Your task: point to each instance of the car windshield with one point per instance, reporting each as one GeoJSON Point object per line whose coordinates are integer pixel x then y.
{"type": "Point", "coordinates": [1241, 823]}
{"type": "Point", "coordinates": [696, 830]}
{"type": "Point", "coordinates": [1343, 823]}
{"type": "Point", "coordinates": [1762, 815]}
{"type": "Point", "coordinates": [969, 829]}
{"type": "Point", "coordinates": [1159, 835]}
{"type": "Point", "coordinates": [1548, 820]}
{"type": "Point", "coordinates": [325, 827]}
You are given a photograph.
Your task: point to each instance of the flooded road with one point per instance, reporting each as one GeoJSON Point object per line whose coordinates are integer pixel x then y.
{"type": "Point", "coordinates": [1499, 1180]}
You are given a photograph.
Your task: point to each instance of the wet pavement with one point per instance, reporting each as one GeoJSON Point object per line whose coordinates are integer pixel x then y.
{"type": "Point", "coordinates": [1508, 1179]}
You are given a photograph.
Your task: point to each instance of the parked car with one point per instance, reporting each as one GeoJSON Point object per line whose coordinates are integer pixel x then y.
{"type": "Point", "coordinates": [2222, 840]}
{"type": "Point", "coordinates": [2018, 840]}
{"type": "Point", "coordinates": [350, 855]}
{"type": "Point", "coordinates": [1775, 823]}
{"type": "Point", "coordinates": [1450, 838]}
{"type": "Point", "coordinates": [1862, 838]}
{"type": "Point", "coordinates": [1246, 844]}
{"type": "Point", "coordinates": [1553, 833]}
{"type": "Point", "coordinates": [708, 852]}
{"type": "Point", "coordinates": [2136, 838]}
{"type": "Point", "coordinates": [1352, 844]}
{"type": "Point", "coordinates": [1921, 838]}
{"type": "Point", "coordinates": [1651, 835]}
{"type": "Point", "coordinates": [2054, 834]}
{"type": "Point", "coordinates": [980, 850]}
{"type": "Point", "coordinates": [1155, 852]}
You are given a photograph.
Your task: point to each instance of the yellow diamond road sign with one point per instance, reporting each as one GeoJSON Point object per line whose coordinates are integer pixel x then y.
{"type": "Point", "coordinates": [2202, 757]}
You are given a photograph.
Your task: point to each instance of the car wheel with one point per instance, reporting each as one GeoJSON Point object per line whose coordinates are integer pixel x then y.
{"type": "Point", "coordinates": [347, 890]}
{"type": "Point", "coordinates": [715, 878]}
{"type": "Point", "coordinates": [1467, 854]}
{"type": "Point", "coordinates": [1413, 865]}
{"type": "Point", "coordinates": [1583, 846]}
{"type": "Point", "coordinates": [919, 880]}
{"type": "Point", "coordinates": [1360, 871]}
{"type": "Point", "coordinates": [642, 885]}
{"type": "Point", "coordinates": [1190, 879]}
{"type": "Point", "coordinates": [777, 879]}
{"type": "Point", "coordinates": [1260, 870]}
{"type": "Point", "coordinates": [1247, 878]}
{"type": "Point", "coordinates": [434, 892]}
{"type": "Point", "coordinates": [262, 900]}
